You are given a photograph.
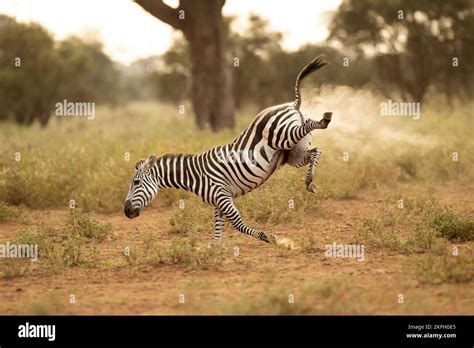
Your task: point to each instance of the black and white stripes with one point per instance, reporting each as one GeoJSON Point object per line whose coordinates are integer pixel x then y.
{"type": "Point", "coordinates": [278, 135]}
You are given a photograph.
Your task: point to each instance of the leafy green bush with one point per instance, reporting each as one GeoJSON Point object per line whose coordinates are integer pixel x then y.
{"type": "Point", "coordinates": [452, 227]}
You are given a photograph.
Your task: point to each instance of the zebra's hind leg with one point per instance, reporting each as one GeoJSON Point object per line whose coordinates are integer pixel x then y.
{"type": "Point", "coordinates": [300, 156]}
{"type": "Point", "coordinates": [226, 205]}
{"type": "Point", "coordinates": [218, 225]}
{"type": "Point", "coordinates": [313, 158]}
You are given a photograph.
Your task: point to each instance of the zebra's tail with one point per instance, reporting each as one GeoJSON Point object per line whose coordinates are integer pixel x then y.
{"type": "Point", "coordinates": [316, 64]}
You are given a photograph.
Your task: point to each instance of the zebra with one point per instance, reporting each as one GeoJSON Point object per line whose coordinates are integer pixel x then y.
{"type": "Point", "coordinates": [278, 135]}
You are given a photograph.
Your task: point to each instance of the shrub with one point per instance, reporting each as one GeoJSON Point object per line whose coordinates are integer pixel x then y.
{"type": "Point", "coordinates": [445, 269]}
{"type": "Point", "coordinates": [7, 212]}
{"type": "Point", "coordinates": [14, 267]}
{"type": "Point", "coordinates": [182, 251]}
{"type": "Point", "coordinates": [67, 246]}
{"type": "Point", "coordinates": [417, 227]}
{"type": "Point", "coordinates": [81, 225]}
{"type": "Point", "coordinates": [451, 226]}
{"type": "Point", "coordinates": [195, 216]}
{"type": "Point", "coordinates": [186, 252]}
{"type": "Point", "coordinates": [403, 230]}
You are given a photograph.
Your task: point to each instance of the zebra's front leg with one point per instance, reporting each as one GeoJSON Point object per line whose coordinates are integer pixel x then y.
{"type": "Point", "coordinates": [313, 157]}
{"type": "Point", "coordinates": [226, 205]}
{"type": "Point", "coordinates": [218, 225]}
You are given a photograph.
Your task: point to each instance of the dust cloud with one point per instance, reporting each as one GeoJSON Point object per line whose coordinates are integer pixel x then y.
{"type": "Point", "coordinates": [356, 116]}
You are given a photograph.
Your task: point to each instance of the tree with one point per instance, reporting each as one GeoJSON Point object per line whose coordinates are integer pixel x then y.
{"type": "Point", "coordinates": [202, 24]}
{"type": "Point", "coordinates": [170, 77]}
{"type": "Point", "coordinates": [255, 76]}
{"type": "Point", "coordinates": [265, 73]}
{"type": "Point", "coordinates": [87, 73]}
{"type": "Point", "coordinates": [268, 72]}
{"type": "Point", "coordinates": [28, 72]}
{"type": "Point", "coordinates": [36, 72]}
{"type": "Point", "coordinates": [415, 41]}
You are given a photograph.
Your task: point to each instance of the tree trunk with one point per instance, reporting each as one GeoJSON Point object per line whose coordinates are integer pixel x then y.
{"type": "Point", "coordinates": [202, 25]}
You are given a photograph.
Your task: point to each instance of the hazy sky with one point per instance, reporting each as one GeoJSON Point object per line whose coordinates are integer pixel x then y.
{"type": "Point", "coordinates": [128, 32]}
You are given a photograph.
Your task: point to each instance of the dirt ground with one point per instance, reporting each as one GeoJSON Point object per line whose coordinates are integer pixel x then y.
{"type": "Point", "coordinates": [260, 279]}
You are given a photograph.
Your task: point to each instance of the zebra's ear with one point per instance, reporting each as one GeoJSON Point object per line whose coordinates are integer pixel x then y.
{"type": "Point", "coordinates": [139, 164]}
{"type": "Point", "coordinates": [152, 161]}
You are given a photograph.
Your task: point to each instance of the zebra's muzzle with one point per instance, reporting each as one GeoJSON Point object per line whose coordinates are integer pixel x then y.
{"type": "Point", "coordinates": [129, 211]}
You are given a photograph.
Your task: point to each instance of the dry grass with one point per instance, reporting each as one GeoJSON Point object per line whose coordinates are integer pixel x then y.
{"type": "Point", "coordinates": [169, 247]}
{"type": "Point", "coordinates": [86, 161]}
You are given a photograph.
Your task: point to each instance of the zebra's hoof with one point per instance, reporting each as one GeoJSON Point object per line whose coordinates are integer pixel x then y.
{"type": "Point", "coordinates": [269, 238]}
{"type": "Point", "coordinates": [272, 239]}
{"type": "Point", "coordinates": [311, 187]}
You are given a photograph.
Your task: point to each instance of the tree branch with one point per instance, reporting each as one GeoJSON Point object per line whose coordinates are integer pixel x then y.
{"type": "Point", "coordinates": [163, 12]}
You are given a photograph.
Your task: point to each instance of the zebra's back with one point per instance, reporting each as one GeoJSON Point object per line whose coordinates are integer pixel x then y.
{"type": "Point", "coordinates": [256, 153]}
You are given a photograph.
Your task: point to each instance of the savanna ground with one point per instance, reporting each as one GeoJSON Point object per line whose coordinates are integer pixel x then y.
{"type": "Point", "coordinates": [403, 188]}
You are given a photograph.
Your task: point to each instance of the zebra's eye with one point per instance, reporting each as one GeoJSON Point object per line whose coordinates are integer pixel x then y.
{"type": "Point", "coordinates": [136, 182]}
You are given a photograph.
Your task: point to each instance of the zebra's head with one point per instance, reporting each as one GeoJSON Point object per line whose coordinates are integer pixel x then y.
{"type": "Point", "coordinates": [143, 187]}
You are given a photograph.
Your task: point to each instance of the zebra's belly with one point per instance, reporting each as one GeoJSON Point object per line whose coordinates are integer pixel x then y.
{"type": "Point", "coordinates": [296, 156]}
{"type": "Point", "coordinates": [265, 168]}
